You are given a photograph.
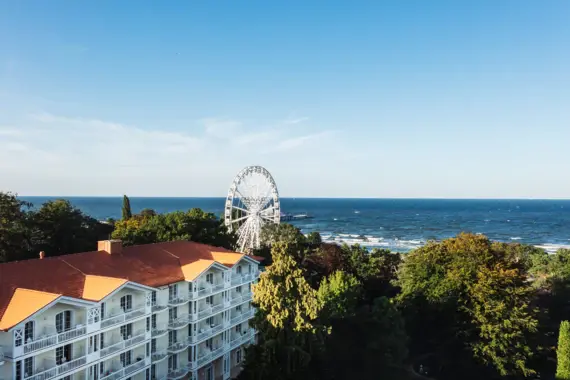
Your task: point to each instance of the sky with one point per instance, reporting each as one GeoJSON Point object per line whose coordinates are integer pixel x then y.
{"type": "Point", "coordinates": [412, 99]}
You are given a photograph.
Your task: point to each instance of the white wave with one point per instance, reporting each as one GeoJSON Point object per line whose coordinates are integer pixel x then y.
{"type": "Point", "coordinates": [516, 238]}
{"type": "Point", "coordinates": [552, 248]}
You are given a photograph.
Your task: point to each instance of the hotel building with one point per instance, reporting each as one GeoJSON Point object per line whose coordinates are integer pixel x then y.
{"type": "Point", "coordinates": [165, 311]}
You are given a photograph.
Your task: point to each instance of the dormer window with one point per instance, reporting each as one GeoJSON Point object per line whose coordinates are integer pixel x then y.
{"type": "Point", "coordinates": [238, 270]}
{"type": "Point", "coordinates": [127, 302]}
{"type": "Point", "coordinates": [29, 332]}
{"type": "Point", "coordinates": [210, 278]}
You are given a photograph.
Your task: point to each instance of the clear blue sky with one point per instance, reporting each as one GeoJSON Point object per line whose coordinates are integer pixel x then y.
{"type": "Point", "coordinates": [335, 98]}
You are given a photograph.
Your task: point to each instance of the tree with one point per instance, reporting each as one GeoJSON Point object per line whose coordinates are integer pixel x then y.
{"type": "Point", "coordinates": [59, 228]}
{"type": "Point", "coordinates": [339, 295]}
{"type": "Point", "coordinates": [563, 352]}
{"type": "Point", "coordinates": [127, 214]}
{"type": "Point", "coordinates": [286, 319]}
{"type": "Point", "coordinates": [195, 225]}
{"type": "Point", "coordinates": [14, 228]}
{"type": "Point", "coordinates": [474, 296]}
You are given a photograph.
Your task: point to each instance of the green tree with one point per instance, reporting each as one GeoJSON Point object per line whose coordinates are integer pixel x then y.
{"type": "Point", "coordinates": [339, 295]}
{"type": "Point", "coordinates": [474, 296]}
{"type": "Point", "coordinates": [127, 214]}
{"type": "Point", "coordinates": [59, 228]}
{"type": "Point", "coordinates": [563, 352]}
{"type": "Point", "coordinates": [14, 228]}
{"type": "Point", "coordinates": [287, 321]}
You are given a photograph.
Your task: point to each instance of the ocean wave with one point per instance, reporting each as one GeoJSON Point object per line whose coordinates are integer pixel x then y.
{"type": "Point", "coordinates": [552, 248]}
{"type": "Point", "coordinates": [516, 238]}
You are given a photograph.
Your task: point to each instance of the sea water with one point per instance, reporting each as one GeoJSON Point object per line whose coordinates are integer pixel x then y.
{"type": "Point", "coordinates": [396, 224]}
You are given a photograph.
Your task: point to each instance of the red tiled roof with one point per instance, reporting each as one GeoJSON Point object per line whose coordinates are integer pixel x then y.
{"type": "Point", "coordinates": [150, 264]}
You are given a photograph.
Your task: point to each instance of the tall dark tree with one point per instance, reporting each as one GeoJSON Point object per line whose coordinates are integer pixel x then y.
{"type": "Point", "coordinates": [127, 214]}
{"type": "Point", "coordinates": [14, 228]}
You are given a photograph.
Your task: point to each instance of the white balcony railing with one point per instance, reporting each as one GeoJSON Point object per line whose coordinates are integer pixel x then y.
{"type": "Point", "coordinates": [56, 370]}
{"type": "Point", "coordinates": [177, 301]}
{"type": "Point", "coordinates": [241, 339]}
{"type": "Point", "coordinates": [53, 338]}
{"type": "Point", "coordinates": [207, 288]}
{"type": "Point", "coordinates": [245, 315]}
{"type": "Point", "coordinates": [180, 372]}
{"type": "Point", "coordinates": [178, 346]}
{"type": "Point", "coordinates": [179, 322]}
{"type": "Point", "coordinates": [159, 330]}
{"type": "Point", "coordinates": [118, 373]}
{"type": "Point", "coordinates": [240, 297]}
{"type": "Point", "coordinates": [206, 333]}
{"type": "Point", "coordinates": [156, 307]}
{"type": "Point", "coordinates": [159, 355]}
{"type": "Point", "coordinates": [122, 316]}
{"type": "Point", "coordinates": [122, 344]}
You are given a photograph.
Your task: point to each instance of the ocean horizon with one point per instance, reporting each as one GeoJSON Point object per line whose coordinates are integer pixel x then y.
{"type": "Point", "coordinates": [399, 224]}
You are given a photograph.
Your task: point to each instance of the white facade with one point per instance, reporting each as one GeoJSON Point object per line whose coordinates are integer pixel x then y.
{"type": "Point", "coordinates": [190, 330]}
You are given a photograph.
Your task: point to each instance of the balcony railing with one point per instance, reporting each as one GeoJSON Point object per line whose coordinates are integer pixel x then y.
{"type": "Point", "coordinates": [239, 340]}
{"type": "Point", "coordinates": [205, 289]}
{"type": "Point", "coordinates": [240, 297]}
{"type": "Point", "coordinates": [208, 356]}
{"type": "Point", "coordinates": [178, 373]}
{"type": "Point", "coordinates": [122, 372]}
{"type": "Point", "coordinates": [118, 346]}
{"type": "Point", "coordinates": [209, 332]}
{"type": "Point", "coordinates": [122, 316]}
{"type": "Point", "coordinates": [178, 346]}
{"type": "Point", "coordinates": [159, 330]}
{"type": "Point", "coordinates": [57, 370]}
{"type": "Point", "coordinates": [156, 307]}
{"type": "Point", "coordinates": [179, 322]}
{"type": "Point", "coordinates": [243, 316]}
{"type": "Point", "coordinates": [177, 301]}
{"type": "Point", "coordinates": [54, 338]}
{"type": "Point", "coordinates": [159, 355]}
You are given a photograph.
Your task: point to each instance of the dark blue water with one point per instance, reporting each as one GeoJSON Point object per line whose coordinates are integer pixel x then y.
{"type": "Point", "coordinates": [398, 224]}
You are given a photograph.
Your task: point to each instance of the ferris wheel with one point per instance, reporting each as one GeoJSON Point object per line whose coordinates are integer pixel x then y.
{"type": "Point", "coordinates": [252, 202]}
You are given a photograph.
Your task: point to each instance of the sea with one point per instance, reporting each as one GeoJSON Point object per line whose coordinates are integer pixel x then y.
{"type": "Point", "coordinates": [396, 224]}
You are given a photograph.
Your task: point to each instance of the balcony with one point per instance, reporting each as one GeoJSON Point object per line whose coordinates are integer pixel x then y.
{"type": "Point", "coordinates": [52, 338]}
{"type": "Point", "coordinates": [157, 308]}
{"type": "Point", "coordinates": [209, 310]}
{"type": "Point", "coordinates": [208, 356]}
{"type": "Point", "coordinates": [179, 322]}
{"type": "Point", "coordinates": [121, 345]}
{"type": "Point", "coordinates": [241, 297]}
{"type": "Point", "coordinates": [177, 301]}
{"type": "Point", "coordinates": [118, 373]}
{"type": "Point", "coordinates": [244, 316]}
{"type": "Point", "coordinates": [159, 330]}
{"type": "Point", "coordinates": [239, 340]}
{"type": "Point", "coordinates": [206, 333]}
{"type": "Point", "coordinates": [159, 355]}
{"type": "Point", "coordinates": [177, 347]}
{"type": "Point", "coordinates": [122, 316]}
{"type": "Point", "coordinates": [178, 373]}
{"type": "Point", "coordinates": [244, 278]}
{"type": "Point", "coordinates": [55, 370]}
{"type": "Point", "coordinates": [207, 289]}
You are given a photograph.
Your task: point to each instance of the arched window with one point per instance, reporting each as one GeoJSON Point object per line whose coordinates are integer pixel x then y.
{"type": "Point", "coordinates": [29, 332]}
{"type": "Point", "coordinates": [63, 321]}
{"type": "Point", "coordinates": [127, 302]}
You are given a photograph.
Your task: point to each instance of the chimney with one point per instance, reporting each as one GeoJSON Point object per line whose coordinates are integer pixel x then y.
{"type": "Point", "coordinates": [42, 254]}
{"type": "Point", "coordinates": [112, 247]}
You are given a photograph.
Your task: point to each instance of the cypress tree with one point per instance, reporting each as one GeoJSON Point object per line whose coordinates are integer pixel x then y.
{"type": "Point", "coordinates": [126, 208]}
{"type": "Point", "coordinates": [563, 352]}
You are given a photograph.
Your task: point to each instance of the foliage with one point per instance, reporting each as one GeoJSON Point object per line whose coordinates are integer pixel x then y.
{"type": "Point", "coordinates": [59, 228]}
{"type": "Point", "coordinates": [284, 233]}
{"type": "Point", "coordinates": [195, 225]}
{"type": "Point", "coordinates": [563, 352]}
{"type": "Point", "coordinates": [14, 228]}
{"type": "Point", "coordinates": [339, 295]}
{"type": "Point", "coordinates": [474, 296]}
{"type": "Point", "coordinates": [126, 211]}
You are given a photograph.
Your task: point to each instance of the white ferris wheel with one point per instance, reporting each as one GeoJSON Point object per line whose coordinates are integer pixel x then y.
{"type": "Point", "coordinates": [252, 202]}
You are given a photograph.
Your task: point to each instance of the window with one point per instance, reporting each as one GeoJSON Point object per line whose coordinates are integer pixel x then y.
{"type": "Point", "coordinates": [127, 302]}
{"type": "Point", "coordinates": [238, 270]}
{"type": "Point", "coordinates": [210, 300]}
{"type": "Point", "coordinates": [127, 331]}
{"type": "Point", "coordinates": [238, 356]}
{"type": "Point", "coordinates": [153, 371]}
{"type": "Point", "coordinates": [18, 370]}
{"type": "Point", "coordinates": [249, 268]}
{"type": "Point", "coordinates": [153, 297]}
{"type": "Point", "coordinates": [238, 289]}
{"type": "Point", "coordinates": [153, 346]}
{"type": "Point", "coordinates": [172, 292]}
{"type": "Point", "coordinates": [93, 343]}
{"type": "Point", "coordinates": [148, 349]}
{"type": "Point", "coordinates": [210, 278]}
{"type": "Point", "coordinates": [238, 328]}
{"type": "Point", "coordinates": [189, 287]}
{"type": "Point", "coordinates": [126, 358]}
{"type": "Point", "coordinates": [210, 321]}
{"type": "Point", "coordinates": [28, 367]}
{"type": "Point", "coordinates": [102, 340]}
{"type": "Point", "coordinates": [171, 337]}
{"type": "Point", "coordinates": [63, 354]}
{"type": "Point", "coordinates": [147, 324]}
{"type": "Point", "coordinates": [63, 321]}
{"type": "Point", "coordinates": [173, 362]}
{"type": "Point", "coordinates": [29, 332]}
{"type": "Point", "coordinates": [209, 374]}
{"type": "Point", "coordinates": [189, 356]}
{"type": "Point", "coordinates": [147, 374]}
{"type": "Point", "coordinates": [238, 308]}
{"type": "Point", "coordinates": [103, 310]}
{"type": "Point", "coordinates": [209, 343]}
{"type": "Point", "coordinates": [153, 321]}
{"type": "Point", "coordinates": [172, 314]}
